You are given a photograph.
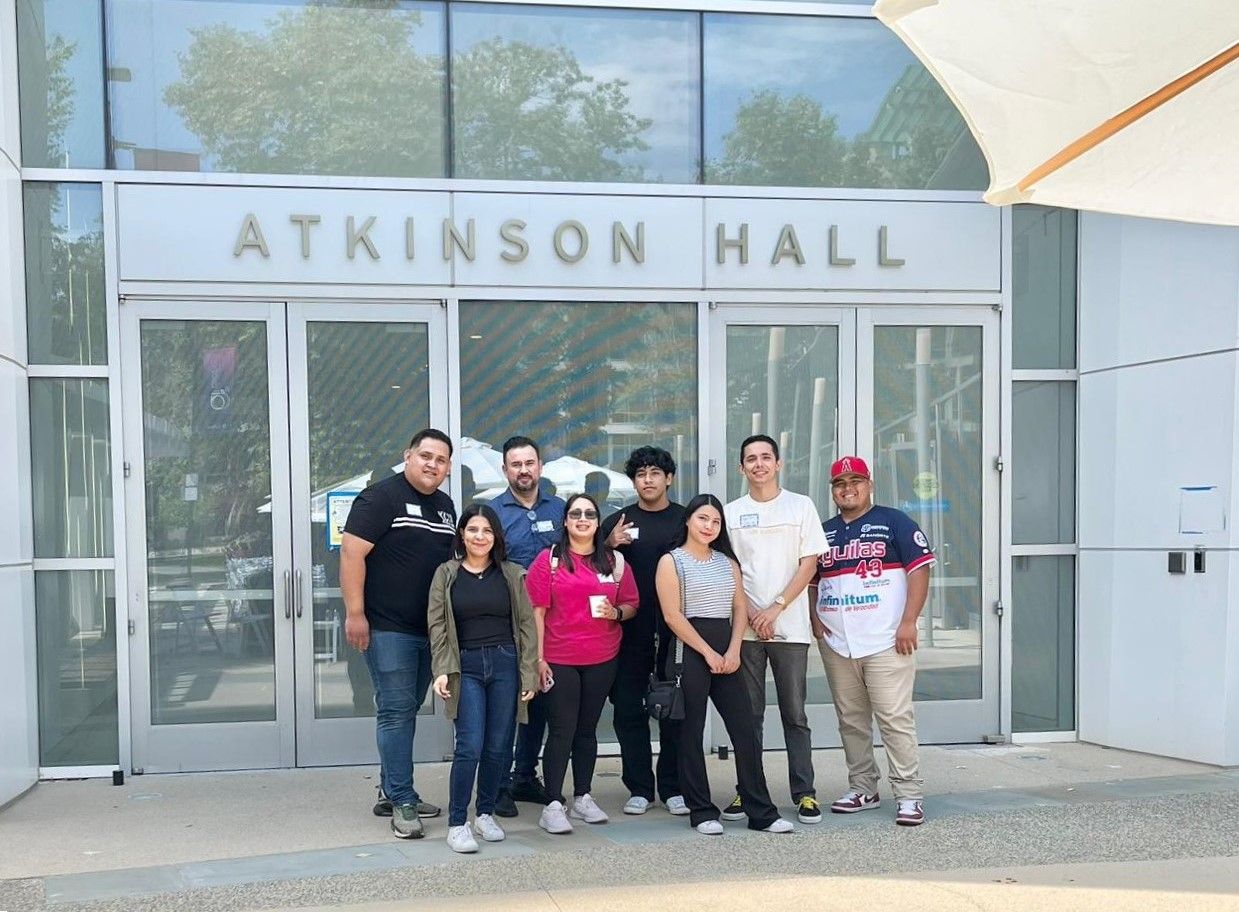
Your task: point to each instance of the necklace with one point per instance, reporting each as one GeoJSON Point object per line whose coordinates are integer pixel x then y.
{"type": "Point", "coordinates": [480, 574]}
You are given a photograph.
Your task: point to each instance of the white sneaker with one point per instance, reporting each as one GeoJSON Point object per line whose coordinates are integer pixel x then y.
{"type": "Point", "coordinates": [459, 839]}
{"type": "Point", "coordinates": [554, 820]}
{"type": "Point", "coordinates": [676, 806]}
{"type": "Point", "coordinates": [486, 827]}
{"type": "Point", "coordinates": [780, 826]}
{"type": "Point", "coordinates": [636, 805]}
{"type": "Point", "coordinates": [585, 808]}
{"type": "Point", "coordinates": [710, 828]}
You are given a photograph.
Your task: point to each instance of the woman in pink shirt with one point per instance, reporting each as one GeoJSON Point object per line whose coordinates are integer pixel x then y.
{"type": "Point", "coordinates": [581, 593]}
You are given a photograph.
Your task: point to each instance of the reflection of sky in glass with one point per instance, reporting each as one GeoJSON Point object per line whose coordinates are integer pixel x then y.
{"type": "Point", "coordinates": [656, 53]}
{"type": "Point", "coordinates": [847, 65]}
{"type": "Point", "coordinates": [78, 24]}
{"type": "Point", "coordinates": [148, 37]}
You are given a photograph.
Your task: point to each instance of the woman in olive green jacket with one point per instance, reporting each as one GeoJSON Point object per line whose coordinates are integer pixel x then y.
{"type": "Point", "coordinates": [484, 658]}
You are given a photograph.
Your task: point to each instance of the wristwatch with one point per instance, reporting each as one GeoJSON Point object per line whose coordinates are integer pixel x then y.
{"type": "Point", "coordinates": [780, 601]}
{"type": "Point", "coordinates": [619, 613]}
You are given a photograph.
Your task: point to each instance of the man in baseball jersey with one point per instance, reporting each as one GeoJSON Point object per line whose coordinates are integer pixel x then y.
{"type": "Point", "coordinates": [872, 583]}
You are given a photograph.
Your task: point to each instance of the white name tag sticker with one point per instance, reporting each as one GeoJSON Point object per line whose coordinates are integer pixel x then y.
{"type": "Point", "coordinates": [634, 532]}
{"type": "Point", "coordinates": [748, 520]}
{"type": "Point", "coordinates": [544, 525]}
{"type": "Point", "coordinates": [412, 509]}
{"type": "Point", "coordinates": [606, 578]}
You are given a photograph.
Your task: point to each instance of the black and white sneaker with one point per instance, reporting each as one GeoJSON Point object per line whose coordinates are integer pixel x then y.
{"type": "Point", "coordinates": [734, 810]}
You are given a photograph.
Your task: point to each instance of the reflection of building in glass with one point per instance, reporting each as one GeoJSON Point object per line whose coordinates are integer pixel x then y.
{"type": "Point", "coordinates": [917, 126]}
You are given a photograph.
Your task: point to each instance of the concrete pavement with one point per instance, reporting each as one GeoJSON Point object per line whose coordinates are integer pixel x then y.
{"type": "Point", "coordinates": [305, 838]}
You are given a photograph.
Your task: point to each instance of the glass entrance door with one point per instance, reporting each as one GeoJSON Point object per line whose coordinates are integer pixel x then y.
{"type": "Point", "coordinates": [362, 379]}
{"type": "Point", "coordinates": [250, 425]}
{"type": "Point", "coordinates": [915, 390]}
{"type": "Point", "coordinates": [788, 372]}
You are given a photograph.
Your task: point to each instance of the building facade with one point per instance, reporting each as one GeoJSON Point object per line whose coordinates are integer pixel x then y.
{"type": "Point", "coordinates": [251, 246]}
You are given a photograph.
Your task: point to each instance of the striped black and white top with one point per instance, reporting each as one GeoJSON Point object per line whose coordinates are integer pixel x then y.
{"type": "Point", "coordinates": [708, 586]}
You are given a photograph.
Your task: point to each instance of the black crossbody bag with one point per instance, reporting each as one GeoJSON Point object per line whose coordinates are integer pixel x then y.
{"type": "Point", "coordinates": [664, 700]}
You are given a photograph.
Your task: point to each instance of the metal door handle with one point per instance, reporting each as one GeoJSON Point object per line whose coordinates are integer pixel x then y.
{"type": "Point", "coordinates": [288, 594]}
{"type": "Point", "coordinates": [297, 593]}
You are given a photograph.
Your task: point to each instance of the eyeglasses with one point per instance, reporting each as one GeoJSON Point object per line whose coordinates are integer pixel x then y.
{"type": "Point", "coordinates": [582, 514]}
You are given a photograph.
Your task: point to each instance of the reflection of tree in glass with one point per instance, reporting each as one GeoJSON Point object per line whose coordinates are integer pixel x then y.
{"type": "Point", "coordinates": [60, 91]}
{"type": "Point", "coordinates": [64, 273]}
{"type": "Point", "coordinates": [917, 139]}
{"type": "Point", "coordinates": [327, 90]}
{"type": "Point", "coordinates": [529, 113]}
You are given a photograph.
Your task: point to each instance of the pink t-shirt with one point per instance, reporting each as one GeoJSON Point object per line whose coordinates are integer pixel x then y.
{"type": "Point", "coordinates": [573, 636]}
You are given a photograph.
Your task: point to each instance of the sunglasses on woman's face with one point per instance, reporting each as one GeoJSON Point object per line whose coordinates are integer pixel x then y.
{"type": "Point", "coordinates": [582, 514]}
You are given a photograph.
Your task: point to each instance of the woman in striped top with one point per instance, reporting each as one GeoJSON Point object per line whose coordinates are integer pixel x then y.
{"type": "Point", "coordinates": [703, 601]}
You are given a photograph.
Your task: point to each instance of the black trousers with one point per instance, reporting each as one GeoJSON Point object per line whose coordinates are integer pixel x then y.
{"type": "Point", "coordinates": [632, 730]}
{"type": "Point", "coordinates": [573, 707]}
{"type": "Point", "coordinates": [731, 699]}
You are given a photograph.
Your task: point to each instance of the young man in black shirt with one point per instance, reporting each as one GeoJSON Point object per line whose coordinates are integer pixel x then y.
{"type": "Point", "coordinates": [398, 532]}
{"type": "Point", "coordinates": [644, 532]}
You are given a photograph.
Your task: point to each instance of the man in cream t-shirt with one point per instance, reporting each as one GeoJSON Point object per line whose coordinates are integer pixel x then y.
{"type": "Point", "coordinates": [778, 536]}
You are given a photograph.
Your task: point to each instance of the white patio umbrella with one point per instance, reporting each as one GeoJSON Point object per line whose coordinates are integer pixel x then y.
{"type": "Point", "coordinates": [1127, 106]}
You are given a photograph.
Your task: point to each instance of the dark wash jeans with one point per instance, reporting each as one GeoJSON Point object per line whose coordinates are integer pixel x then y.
{"type": "Point", "coordinates": [399, 666]}
{"type": "Point", "coordinates": [485, 719]}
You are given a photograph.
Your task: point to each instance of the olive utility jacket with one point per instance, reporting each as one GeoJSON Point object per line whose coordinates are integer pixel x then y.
{"type": "Point", "coordinates": [445, 648]}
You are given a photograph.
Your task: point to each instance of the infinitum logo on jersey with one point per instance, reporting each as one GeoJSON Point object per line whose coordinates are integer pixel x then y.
{"type": "Point", "coordinates": [854, 550]}
{"type": "Point", "coordinates": [851, 602]}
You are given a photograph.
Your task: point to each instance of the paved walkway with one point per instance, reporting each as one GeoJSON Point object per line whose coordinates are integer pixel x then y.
{"type": "Point", "coordinates": [306, 839]}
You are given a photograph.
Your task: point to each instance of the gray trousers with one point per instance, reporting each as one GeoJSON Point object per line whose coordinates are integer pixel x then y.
{"type": "Point", "coordinates": [790, 663]}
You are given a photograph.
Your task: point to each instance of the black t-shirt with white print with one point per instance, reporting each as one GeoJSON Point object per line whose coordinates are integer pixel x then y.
{"type": "Point", "coordinates": [412, 535]}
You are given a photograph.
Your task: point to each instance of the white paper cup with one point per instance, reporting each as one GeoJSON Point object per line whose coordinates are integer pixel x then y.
{"type": "Point", "coordinates": [597, 606]}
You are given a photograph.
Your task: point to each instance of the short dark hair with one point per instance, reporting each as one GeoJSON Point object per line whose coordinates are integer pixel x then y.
{"type": "Point", "coordinates": [499, 551]}
{"type": "Point", "coordinates": [515, 443]}
{"type": "Point", "coordinates": [759, 438]}
{"type": "Point", "coordinates": [649, 457]}
{"type": "Point", "coordinates": [431, 434]}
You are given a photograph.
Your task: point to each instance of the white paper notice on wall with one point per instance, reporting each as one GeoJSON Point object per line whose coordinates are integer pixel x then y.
{"type": "Point", "coordinates": [1201, 510]}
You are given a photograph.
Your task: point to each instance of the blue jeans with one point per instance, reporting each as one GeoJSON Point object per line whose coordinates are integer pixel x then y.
{"type": "Point", "coordinates": [485, 719]}
{"type": "Point", "coordinates": [399, 666]}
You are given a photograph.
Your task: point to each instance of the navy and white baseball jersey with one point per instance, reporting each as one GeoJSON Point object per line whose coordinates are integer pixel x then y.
{"type": "Point", "coordinates": [862, 583]}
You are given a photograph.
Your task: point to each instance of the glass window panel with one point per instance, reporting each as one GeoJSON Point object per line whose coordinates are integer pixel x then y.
{"type": "Point", "coordinates": [544, 93]}
{"type": "Point", "coordinates": [60, 77]}
{"type": "Point", "coordinates": [207, 451]}
{"type": "Point", "coordinates": [1043, 481]}
{"type": "Point", "coordinates": [827, 102]}
{"type": "Point", "coordinates": [784, 381]}
{"type": "Point", "coordinates": [1043, 643]}
{"type": "Point", "coordinates": [362, 414]}
{"type": "Point", "coordinates": [1043, 264]}
{"type": "Point", "coordinates": [66, 312]}
{"type": "Point", "coordinates": [71, 468]}
{"type": "Point", "coordinates": [75, 633]}
{"type": "Point", "coordinates": [928, 462]}
{"type": "Point", "coordinates": [324, 88]}
{"type": "Point", "coordinates": [589, 382]}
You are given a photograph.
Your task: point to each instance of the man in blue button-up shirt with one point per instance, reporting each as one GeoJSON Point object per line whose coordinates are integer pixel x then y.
{"type": "Point", "coordinates": [532, 521]}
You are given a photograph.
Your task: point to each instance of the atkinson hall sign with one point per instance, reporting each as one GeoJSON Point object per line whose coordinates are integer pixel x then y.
{"type": "Point", "coordinates": [206, 234]}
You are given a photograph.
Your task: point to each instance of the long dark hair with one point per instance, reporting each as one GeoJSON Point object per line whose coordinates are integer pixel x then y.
{"type": "Point", "coordinates": [499, 550]}
{"type": "Point", "coordinates": [603, 558]}
{"type": "Point", "coordinates": [722, 544]}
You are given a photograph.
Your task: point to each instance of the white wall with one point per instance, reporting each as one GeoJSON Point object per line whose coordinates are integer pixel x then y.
{"type": "Point", "coordinates": [19, 755]}
{"type": "Point", "coordinates": [1159, 370]}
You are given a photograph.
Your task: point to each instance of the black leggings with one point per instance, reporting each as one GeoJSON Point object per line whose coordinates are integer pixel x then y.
{"type": "Point", "coordinates": [573, 707]}
{"type": "Point", "coordinates": [731, 699]}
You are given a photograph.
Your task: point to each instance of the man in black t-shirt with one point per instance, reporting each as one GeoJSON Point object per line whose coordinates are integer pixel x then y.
{"type": "Point", "coordinates": [398, 532]}
{"type": "Point", "coordinates": [644, 532]}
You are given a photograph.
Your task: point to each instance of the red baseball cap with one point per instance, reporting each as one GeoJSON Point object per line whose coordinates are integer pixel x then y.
{"type": "Point", "coordinates": [849, 465]}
